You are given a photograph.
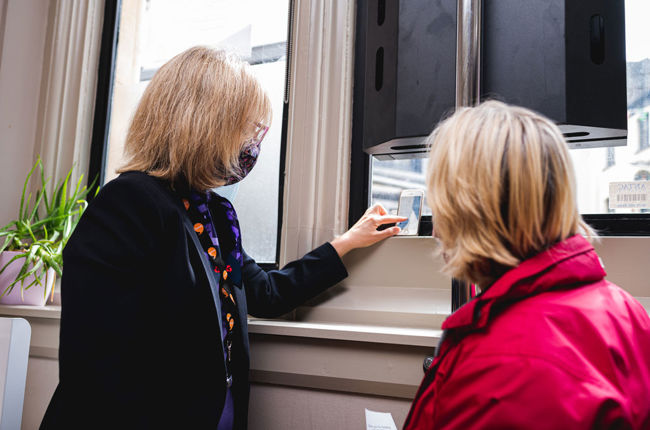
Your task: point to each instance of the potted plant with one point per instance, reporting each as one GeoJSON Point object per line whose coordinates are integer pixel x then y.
{"type": "Point", "coordinates": [31, 246]}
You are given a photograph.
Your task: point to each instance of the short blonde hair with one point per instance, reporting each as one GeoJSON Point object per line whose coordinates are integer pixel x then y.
{"type": "Point", "coordinates": [194, 117]}
{"type": "Point", "coordinates": [501, 187]}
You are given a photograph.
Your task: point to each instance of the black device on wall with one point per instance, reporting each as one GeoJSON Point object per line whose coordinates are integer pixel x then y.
{"type": "Point", "coordinates": [405, 63]}
{"type": "Point", "coordinates": [562, 58]}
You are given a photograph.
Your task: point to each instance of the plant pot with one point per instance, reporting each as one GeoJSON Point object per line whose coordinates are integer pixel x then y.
{"type": "Point", "coordinates": [35, 295]}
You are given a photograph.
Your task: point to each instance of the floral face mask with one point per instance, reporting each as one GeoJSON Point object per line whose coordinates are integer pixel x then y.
{"type": "Point", "coordinates": [248, 155]}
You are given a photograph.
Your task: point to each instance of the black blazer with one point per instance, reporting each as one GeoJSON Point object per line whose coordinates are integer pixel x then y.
{"type": "Point", "coordinates": [140, 344]}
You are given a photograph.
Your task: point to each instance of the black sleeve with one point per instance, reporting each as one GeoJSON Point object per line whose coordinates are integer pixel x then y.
{"type": "Point", "coordinates": [271, 294]}
{"type": "Point", "coordinates": [108, 265]}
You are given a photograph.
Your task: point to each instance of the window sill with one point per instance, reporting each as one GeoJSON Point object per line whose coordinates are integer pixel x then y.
{"type": "Point", "coordinates": [22, 311]}
{"type": "Point", "coordinates": [346, 332]}
{"type": "Point", "coordinates": [44, 322]}
{"type": "Point", "coordinates": [334, 331]}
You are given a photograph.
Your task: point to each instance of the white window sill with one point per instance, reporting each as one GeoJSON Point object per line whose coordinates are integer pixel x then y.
{"type": "Point", "coordinates": [334, 331]}
{"type": "Point", "coordinates": [48, 311]}
{"type": "Point", "coordinates": [319, 330]}
{"type": "Point", "coordinates": [348, 332]}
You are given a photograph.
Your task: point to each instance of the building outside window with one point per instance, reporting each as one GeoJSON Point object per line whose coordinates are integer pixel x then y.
{"type": "Point", "coordinates": [153, 31]}
{"type": "Point", "coordinates": [390, 177]}
{"type": "Point", "coordinates": [611, 157]}
{"type": "Point", "coordinates": [644, 136]}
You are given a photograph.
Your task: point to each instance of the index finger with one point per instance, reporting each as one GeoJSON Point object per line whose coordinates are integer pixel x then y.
{"type": "Point", "coordinates": [376, 209]}
{"type": "Point", "coordinates": [387, 219]}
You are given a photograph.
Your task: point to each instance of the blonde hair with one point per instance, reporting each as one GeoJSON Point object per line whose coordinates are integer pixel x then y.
{"type": "Point", "coordinates": [501, 187]}
{"type": "Point", "coordinates": [194, 117]}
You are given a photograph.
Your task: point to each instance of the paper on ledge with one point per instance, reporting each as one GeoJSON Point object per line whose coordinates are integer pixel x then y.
{"type": "Point", "coordinates": [379, 421]}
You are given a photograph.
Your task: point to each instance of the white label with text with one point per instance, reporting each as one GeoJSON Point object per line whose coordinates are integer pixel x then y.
{"type": "Point", "coordinates": [629, 195]}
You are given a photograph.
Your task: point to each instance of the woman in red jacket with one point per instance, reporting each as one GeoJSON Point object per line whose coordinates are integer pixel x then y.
{"type": "Point", "coordinates": [549, 343]}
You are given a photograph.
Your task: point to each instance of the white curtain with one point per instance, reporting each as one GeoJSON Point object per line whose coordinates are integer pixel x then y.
{"type": "Point", "coordinates": [320, 111]}
{"type": "Point", "coordinates": [3, 17]}
{"type": "Point", "coordinates": [68, 87]}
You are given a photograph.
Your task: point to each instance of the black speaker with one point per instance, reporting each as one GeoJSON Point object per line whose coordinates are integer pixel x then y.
{"type": "Point", "coordinates": [405, 72]}
{"type": "Point", "coordinates": [562, 58]}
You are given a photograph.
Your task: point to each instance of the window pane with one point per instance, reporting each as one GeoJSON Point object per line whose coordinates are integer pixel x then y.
{"type": "Point", "coordinates": [598, 167]}
{"type": "Point", "coordinates": [257, 198]}
{"type": "Point", "coordinates": [390, 177]}
{"type": "Point", "coordinates": [153, 31]}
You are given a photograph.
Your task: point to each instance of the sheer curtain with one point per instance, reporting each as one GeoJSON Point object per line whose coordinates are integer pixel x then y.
{"type": "Point", "coordinates": [68, 86]}
{"type": "Point", "coordinates": [319, 135]}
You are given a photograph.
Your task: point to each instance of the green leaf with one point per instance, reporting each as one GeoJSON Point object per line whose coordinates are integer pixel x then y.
{"type": "Point", "coordinates": [64, 194]}
{"type": "Point", "coordinates": [44, 184]}
{"type": "Point", "coordinates": [22, 197]}
{"type": "Point", "coordinates": [18, 244]}
{"type": "Point", "coordinates": [14, 258]}
{"type": "Point", "coordinates": [29, 199]}
{"type": "Point", "coordinates": [37, 202]}
{"type": "Point", "coordinates": [55, 236]}
{"type": "Point", "coordinates": [8, 226]}
{"type": "Point", "coordinates": [6, 291]}
{"type": "Point", "coordinates": [6, 243]}
{"type": "Point", "coordinates": [22, 272]}
{"type": "Point", "coordinates": [56, 265]}
{"type": "Point", "coordinates": [31, 284]}
{"type": "Point", "coordinates": [57, 197]}
{"type": "Point", "coordinates": [52, 219]}
{"type": "Point", "coordinates": [67, 227]}
{"type": "Point", "coordinates": [32, 251]}
{"type": "Point", "coordinates": [74, 196]}
{"type": "Point", "coordinates": [28, 229]}
{"type": "Point", "coordinates": [32, 271]}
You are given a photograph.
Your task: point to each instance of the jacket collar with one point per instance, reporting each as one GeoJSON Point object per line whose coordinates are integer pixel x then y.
{"type": "Point", "coordinates": [570, 262]}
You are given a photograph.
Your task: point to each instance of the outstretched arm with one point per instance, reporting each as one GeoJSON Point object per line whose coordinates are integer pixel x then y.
{"type": "Point", "coordinates": [273, 293]}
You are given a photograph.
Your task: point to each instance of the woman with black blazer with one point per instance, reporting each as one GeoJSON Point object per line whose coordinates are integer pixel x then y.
{"type": "Point", "coordinates": [156, 286]}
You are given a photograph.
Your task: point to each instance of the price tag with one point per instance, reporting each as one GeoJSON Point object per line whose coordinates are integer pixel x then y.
{"type": "Point", "coordinates": [629, 195]}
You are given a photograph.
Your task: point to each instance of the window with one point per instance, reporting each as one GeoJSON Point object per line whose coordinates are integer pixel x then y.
{"type": "Point", "coordinates": [390, 177]}
{"type": "Point", "coordinates": [595, 168]}
{"type": "Point", "coordinates": [153, 31]}
{"type": "Point", "coordinates": [621, 162]}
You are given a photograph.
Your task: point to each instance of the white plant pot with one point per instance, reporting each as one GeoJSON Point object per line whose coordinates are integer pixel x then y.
{"type": "Point", "coordinates": [35, 295]}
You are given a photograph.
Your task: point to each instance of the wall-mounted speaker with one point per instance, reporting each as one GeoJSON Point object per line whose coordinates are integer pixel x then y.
{"type": "Point", "coordinates": [562, 58]}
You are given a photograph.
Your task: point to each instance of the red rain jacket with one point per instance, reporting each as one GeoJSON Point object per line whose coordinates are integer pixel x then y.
{"type": "Point", "coordinates": [550, 345]}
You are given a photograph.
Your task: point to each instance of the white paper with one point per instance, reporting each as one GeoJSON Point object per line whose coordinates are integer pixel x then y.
{"type": "Point", "coordinates": [630, 195]}
{"type": "Point", "coordinates": [379, 421]}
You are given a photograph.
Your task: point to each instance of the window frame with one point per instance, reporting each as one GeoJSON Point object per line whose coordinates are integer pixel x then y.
{"type": "Point", "coordinates": [104, 92]}
{"type": "Point", "coordinates": [104, 100]}
{"type": "Point", "coordinates": [360, 172]}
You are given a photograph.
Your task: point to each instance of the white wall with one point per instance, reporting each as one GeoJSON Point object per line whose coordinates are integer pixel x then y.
{"type": "Point", "coordinates": [3, 14]}
{"type": "Point", "coordinates": [42, 378]}
{"type": "Point", "coordinates": [22, 46]}
{"type": "Point", "coordinates": [21, 67]}
{"type": "Point", "coordinates": [277, 407]}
